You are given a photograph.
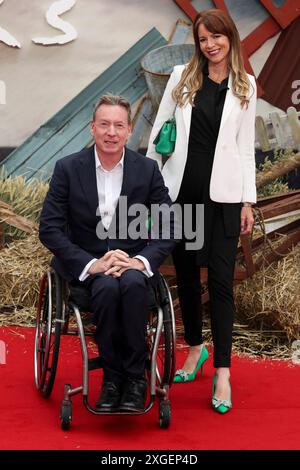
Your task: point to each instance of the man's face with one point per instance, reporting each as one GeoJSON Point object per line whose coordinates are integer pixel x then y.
{"type": "Point", "coordinates": [110, 129]}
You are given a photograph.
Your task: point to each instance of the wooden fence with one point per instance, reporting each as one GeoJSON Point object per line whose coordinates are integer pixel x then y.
{"type": "Point", "coordinates": [278, 131]}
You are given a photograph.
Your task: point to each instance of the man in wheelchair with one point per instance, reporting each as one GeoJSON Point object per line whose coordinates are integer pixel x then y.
{"type": "Point", "coordinates": [95, 239]}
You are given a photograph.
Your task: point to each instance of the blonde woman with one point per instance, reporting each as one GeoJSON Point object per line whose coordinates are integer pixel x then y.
{"type": "Point", "coordinates": [214, 101]}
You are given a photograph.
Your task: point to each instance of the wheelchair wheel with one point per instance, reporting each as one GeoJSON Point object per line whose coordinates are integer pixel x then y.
{"type": "Point", "coordinates": [164, 413]}
{"type": "Point", "coordinates": [165, 359]}
{"type": "Point", "coordinates": [47, 334]}
{"type": "Point", "coordinates": [65, 415]}
{"type": "Point", "coordinates": [66, 411]}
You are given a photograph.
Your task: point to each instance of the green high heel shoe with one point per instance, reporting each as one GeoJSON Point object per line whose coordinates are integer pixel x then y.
{"type": "Point", "coordinates": [221, 406]}
{"type": "Point", "coordinates": [182, 376]}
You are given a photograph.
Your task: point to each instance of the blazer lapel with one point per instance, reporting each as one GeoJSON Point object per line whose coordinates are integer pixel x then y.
{"type": "Point", "coordinates": [87, 175]}
{"type": "Point", "coordinates": [230, 101]}
{"type": "Point", "coordinates": [129, 177]}
{"type": "Point", "coordinates": [187, 115]}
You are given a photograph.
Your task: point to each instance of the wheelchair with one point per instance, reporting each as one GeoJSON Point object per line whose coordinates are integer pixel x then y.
{"type": "Point", "coordinates": [58, 303]}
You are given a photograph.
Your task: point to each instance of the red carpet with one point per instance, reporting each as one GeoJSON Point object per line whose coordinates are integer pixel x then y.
{"type": "Point", "coordinates": [265, 414]}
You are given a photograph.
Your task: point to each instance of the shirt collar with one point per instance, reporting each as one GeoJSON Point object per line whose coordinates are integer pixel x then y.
{"type": "Point", "coordinates": [224, 84]}
{"type": "Point", "coordinates": [98, 162]}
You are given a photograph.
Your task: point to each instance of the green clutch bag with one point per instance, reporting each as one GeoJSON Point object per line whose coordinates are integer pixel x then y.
{"type": "Point", "coordinates": [166, 138]}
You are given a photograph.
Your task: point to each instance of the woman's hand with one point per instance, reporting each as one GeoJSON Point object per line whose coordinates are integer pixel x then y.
{"type": "Point", "coordinates": [247, 220]}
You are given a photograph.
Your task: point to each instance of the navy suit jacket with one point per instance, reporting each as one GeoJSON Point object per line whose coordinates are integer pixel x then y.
{"type": "Point", "coordinates": [69, 216]}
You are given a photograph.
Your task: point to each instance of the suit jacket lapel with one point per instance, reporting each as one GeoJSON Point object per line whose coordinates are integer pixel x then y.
{"type": "Point", "coordinates": [129, 177]}
{"type": "Point", "coordinates": [87, 175]}
{"type": "Point", "coordinates": [230, 101]}
{"type": "Point", "coordinates": [129, 174]}
{"type": "Point", "coordinates": [187, 116]}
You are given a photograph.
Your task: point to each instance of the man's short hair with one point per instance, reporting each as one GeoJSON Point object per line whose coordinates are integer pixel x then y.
{"type": "Point", "coordinates": [113, 100]}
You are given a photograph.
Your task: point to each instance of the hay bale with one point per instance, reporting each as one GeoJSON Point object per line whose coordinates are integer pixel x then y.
{"type": "Point", "coordinates": [9, 217]}
{"type": "Point", "coordinates": [267, 309]}
{"type": "Point", "coordinates": [22, 264]}
{"type": "Point", "coordinates": [270, 301]}
{"type": "Point", "coordinates": [25, 198]}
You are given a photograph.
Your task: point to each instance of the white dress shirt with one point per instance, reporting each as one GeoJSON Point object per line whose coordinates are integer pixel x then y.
{"type": "Point", "coordinates": [109, 184]}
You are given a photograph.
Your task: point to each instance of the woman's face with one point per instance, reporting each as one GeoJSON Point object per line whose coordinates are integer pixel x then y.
{"type": "Point", "coordinates": [214, 46]}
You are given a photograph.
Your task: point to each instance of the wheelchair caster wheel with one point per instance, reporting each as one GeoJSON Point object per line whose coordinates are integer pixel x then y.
{"type": "Point", "coordinates": [164, 414]}
{"type": "Point", "coordinates": [65, 414]}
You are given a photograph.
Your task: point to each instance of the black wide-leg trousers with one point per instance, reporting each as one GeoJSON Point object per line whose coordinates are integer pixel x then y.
{"type": "Point", "coordinates": [120, 313]}
{"type": "Point", "coordinates": [220, 263]}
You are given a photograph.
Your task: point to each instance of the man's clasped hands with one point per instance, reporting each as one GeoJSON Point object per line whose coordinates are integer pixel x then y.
{"type": "Point", "coordinates": [114, 263]}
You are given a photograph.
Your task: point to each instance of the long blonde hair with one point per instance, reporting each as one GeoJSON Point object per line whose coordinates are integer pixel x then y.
{"type": "Point", "coordinates": [216, 21]}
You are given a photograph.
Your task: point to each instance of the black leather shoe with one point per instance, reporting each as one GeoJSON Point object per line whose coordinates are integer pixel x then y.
{"type": "Point", "coordinates": [134, 395]}
{"type": "Point", "coordinates": [109, 397]}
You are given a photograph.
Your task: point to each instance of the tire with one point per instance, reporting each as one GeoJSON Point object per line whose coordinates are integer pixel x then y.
{"type": "Point", "coordinates": [168, 333]}
{"type": "Point", "coordinates": [65, 414]}
{"type": "Point", "coordinates": [164, 414]}
{"type": "Point", "coordinates": [48, 331]}
{"type": "Point", "coordinates": [166, 351]}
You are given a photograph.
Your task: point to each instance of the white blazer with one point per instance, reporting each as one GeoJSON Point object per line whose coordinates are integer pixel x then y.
{"type": "Point", "coordinates": [233, 171]}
